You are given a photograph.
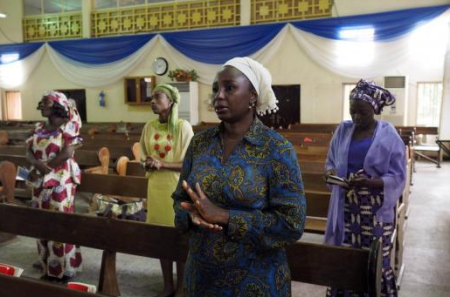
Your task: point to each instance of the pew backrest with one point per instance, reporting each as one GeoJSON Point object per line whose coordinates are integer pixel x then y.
{"type": "Point", "coordinates": [354, 269]}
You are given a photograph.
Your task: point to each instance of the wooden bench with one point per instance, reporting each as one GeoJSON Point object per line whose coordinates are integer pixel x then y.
{"type": "Point", "coordinates": [84, 158]}
{"type": "Point", "coordinates": [422, 149]}
{"type": "Point", "coordinates": [317, 198]}
{"type": "Point", "coordinates": [355, 269]}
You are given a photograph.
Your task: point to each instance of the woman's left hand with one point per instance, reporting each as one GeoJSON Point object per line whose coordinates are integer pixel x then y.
{"type": "Point", "coordinates": [208, 210]}
{"type": "Point", "coordinates": [360, 182]}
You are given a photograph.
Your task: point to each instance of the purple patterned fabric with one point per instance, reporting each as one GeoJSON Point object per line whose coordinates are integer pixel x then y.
{"type": "Point", "coordinates": [375, 95]}
{"type": "Point", "coordinates": [361, 228]}
{"type": "Point", "coordinates": [385, 159]}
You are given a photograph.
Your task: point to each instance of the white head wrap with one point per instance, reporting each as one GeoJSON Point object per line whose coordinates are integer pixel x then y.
{"type": "Point", "coordinates": [261, 80]}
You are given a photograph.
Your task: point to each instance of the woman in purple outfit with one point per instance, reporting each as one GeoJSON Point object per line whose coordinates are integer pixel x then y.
{"type": "Point", "coordinates": [371, 155]}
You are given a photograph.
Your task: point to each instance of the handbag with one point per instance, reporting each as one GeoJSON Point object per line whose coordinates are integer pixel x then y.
{"type": "Point", "coordinates": [111, 206]}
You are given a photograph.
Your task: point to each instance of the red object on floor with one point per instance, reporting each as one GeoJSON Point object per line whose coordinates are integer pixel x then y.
{"type": "Point", "coordinates": [78, 287]}
{"type": "Point", "coordinates": [7, 269]}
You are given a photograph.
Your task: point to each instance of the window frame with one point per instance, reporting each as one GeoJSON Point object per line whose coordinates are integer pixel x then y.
{"type": "Point", "coordinates": [418, 102]}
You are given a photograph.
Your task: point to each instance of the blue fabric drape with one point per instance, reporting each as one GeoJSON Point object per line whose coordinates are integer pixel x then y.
{"type": "Point", "coordinates": [101, 50]}
{"type": "Point", "coordinates": [23, 49]}
{"type": "Point", "coordinates": [216, 46]}
{"type": "Point", "coordinates": [387, 25]}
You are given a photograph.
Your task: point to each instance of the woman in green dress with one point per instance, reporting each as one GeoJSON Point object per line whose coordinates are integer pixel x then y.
{"type": "Point", "coordinates": [164, 142]}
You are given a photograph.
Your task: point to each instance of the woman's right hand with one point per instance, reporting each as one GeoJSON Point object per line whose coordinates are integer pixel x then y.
{"type": "Point", "coordinates": [198, 220]}
{"type": "Point", "coordinates": [152, 163]}
{"type": "Point", "coordinates": [43, 168]}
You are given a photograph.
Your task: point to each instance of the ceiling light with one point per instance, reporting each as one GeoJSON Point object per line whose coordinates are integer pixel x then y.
{"type": "Point", "coordinates": [2, 15]}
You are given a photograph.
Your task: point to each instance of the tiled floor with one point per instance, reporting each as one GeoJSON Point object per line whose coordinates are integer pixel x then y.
{"type": "Point", "coordinates": [426, 256]}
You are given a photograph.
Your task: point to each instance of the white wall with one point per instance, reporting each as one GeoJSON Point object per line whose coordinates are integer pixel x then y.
{"type": "Point", "coordinates": [321, 90]}
{"type": "Point", "coordinates": [11, 26]}
{"type": "Point", "coordinates": [351, 7]}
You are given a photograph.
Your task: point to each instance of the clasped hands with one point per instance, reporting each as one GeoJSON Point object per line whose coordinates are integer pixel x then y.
{"type": "Point", "coordinates": [40, 169]}
{"type": "Point", "coordinates": [202, 211]}
{"type": "Point", "coordinates": [151, 163]}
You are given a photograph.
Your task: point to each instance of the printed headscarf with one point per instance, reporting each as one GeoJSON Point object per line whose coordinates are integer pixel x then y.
{"type": "Point", "coordinates": [261, 80]}
{"type": "Point", "coordinates": [173, 95]}
{"type": "Point", "coordinates": [375, 95]}
{"type": "Point", "coordinates": [69, 106]}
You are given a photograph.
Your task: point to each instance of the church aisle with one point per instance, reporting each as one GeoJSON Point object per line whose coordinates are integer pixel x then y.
{"type": "Point", "coordinates": [427, 236]}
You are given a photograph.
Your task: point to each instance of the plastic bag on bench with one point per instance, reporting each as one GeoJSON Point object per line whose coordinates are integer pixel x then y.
{"type": "Point", "coordinates": [133, 210]}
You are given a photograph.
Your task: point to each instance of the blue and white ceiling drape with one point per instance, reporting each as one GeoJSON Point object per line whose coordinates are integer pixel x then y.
{"type": "Point", "coordinates": [355, 46]}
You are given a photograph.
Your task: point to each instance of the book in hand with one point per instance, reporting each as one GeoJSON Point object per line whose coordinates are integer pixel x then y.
{"type": "Point", "coordinates": [10, 270]}
{"type": "Point", "coordinates": [82, 287]}
{"type": "Point", "coordinates": [336, 180]}
{"type": "Point", "coordinates": [24, 174]}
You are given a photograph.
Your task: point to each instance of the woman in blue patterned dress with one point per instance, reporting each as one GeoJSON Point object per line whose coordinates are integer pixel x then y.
{"type": "Point", "coordinates": [371, 155]}
{"type": "Point", "coordinates": [240, 194]}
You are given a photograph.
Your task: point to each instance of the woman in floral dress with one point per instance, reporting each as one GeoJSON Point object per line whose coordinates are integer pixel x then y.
{"type": "Point", "coordinates": [56, 175]}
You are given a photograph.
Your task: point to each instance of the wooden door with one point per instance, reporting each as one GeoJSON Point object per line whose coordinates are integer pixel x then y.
{"type": "Point", "coordinates": [289, 107]}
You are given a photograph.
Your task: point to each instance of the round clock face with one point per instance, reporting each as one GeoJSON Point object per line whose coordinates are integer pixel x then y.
{"type": "Point", "coordinates": [160, 66]}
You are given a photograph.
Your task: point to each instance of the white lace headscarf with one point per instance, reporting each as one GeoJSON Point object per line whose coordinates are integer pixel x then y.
{"type": "Point", "coordinates": [261, 80]}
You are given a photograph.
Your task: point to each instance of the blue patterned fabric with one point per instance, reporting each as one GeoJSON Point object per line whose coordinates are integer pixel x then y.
{"type": "Point", "coordinates": [261, 185]}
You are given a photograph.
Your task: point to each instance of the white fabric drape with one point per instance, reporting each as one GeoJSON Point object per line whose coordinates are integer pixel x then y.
{"type": "Point", "coordinates": [370, 59]}
{"type": "Point", "coordinates": [87, 75]}
{"type": "Point", "coordinates": [14, 74]}
{"type": "Point", "coordinates": [353, 59]}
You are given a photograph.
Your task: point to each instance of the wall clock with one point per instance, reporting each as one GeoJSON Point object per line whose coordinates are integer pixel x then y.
{"type": "Point", "coordinates": [160, 66]}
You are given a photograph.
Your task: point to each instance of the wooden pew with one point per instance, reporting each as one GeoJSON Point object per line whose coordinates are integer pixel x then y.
{"type": "Point", "coordinates": [7, 187]}
{"type": "Point", "coordinates": [354, 269]}
{"type": "Point", "coordinates": [111, 136]}
{"type": "Point", "coordinates": [317, 197]}
{"type": "Point", "coordinates": [84, 158]}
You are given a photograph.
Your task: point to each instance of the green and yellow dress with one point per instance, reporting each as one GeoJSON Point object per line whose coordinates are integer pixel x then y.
{"type": "Point", "coordinates": [157, 141]}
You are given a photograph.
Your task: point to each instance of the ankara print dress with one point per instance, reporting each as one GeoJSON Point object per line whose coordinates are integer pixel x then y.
{"type": "Point", "coordinates": [57, 193]}
{"type": "Point", "coordinates": [361, 225]}
{"type": "Point", "coordinates": [361, 215]}
{"type": "Point", "coordinates": [260, 183]}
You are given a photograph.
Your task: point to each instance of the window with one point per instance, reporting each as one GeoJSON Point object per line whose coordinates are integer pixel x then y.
{"type": "Point", "coordinates": [346, 103]}
{"type": "Point", "coordinates": [36, 7]}
{"type": "Point", "coordinates": [13, 106]}
{"type": "Point", "coordinates": [429, 98]}
{"type": "Point", "coordinates": [109, 4]}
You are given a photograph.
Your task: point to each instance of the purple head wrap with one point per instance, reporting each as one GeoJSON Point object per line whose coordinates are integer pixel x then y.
{"type": "Point", "coordinates": [375, 95]}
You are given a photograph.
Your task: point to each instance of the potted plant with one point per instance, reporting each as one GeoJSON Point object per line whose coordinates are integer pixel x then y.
{"type": "Point", "coordinates": [183, 75]}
